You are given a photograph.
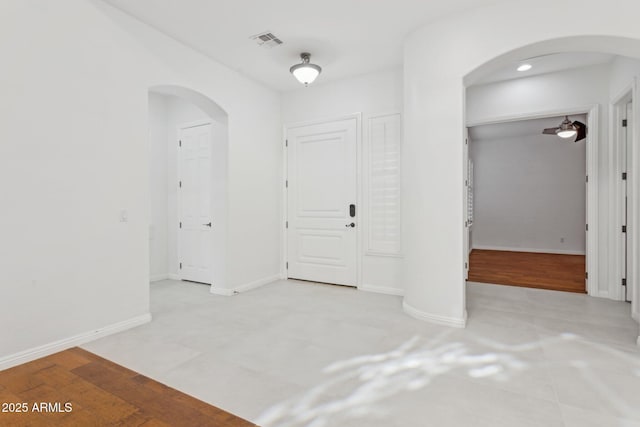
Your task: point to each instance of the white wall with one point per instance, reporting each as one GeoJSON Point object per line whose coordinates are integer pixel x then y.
{"type": "Point", "coordinates": [75, 106]}
{"type": "Point", "coordinates": [529, 190]}
{"type": "Point", "coordinates": [370, 95]}
{"type": "Point", "coordinates": [379, 92]}
{"type": "Point", "coordinates": [623, 71]}
{"type": "Point", "coordinates": [158, 188]}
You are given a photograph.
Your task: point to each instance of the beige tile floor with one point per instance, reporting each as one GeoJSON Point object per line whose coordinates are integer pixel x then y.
{"type": "Point", "coordinates": [294, 354]}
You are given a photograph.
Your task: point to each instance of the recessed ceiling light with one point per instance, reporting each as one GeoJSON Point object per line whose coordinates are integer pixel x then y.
{"type": "Point", "coordinates": [525, 67]}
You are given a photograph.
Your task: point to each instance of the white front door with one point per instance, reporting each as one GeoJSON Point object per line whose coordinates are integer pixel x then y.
{"type": "Point", "coordinates": [321, 197]}
{"type": "Point", "coordinates": [194, 211]}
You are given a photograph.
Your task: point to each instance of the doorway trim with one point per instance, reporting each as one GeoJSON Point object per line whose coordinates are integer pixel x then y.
{"type": "Point", "coordinates": [359, 189]}
{"type": "Point", "coordinates": [629, 93]}
{"type": "Point", "coordinates": [179, 129]}
{"type": "Point", "coordinates": [592, 217]}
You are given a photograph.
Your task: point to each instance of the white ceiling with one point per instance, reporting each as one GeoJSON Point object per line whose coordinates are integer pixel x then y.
{"type": "Point", "coordinates": [519, 128]}
{"type": "Point", "coordinates": [545, 64]}
{"type": "Point", "coordinates": [345, 37]}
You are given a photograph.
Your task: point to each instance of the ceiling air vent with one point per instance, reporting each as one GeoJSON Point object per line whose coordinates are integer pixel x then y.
{"type": "Point", "coordinates": [267, 40]}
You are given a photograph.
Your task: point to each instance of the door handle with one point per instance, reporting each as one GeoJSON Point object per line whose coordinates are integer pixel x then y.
{"type": "Point", "coordinates": [352, 225]}
{"type": "Point", "coordinates": [208, 225]}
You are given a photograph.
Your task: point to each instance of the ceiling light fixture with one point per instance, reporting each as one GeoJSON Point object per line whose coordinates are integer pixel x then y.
{"type": "Point", "coordinates": [525, 67]}
{"type": "Point", "coordinates": [305, 72]}
{"type": "Point", "coordinates": [568, 129]}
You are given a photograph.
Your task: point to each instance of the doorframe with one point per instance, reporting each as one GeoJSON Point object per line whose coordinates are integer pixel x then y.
{"type": "Point", "coordinates": [179, 129]}
{"type": "Point", "coordinates": [628, 93]}
{"type": "Point", "coordinates": [284, 273]}
{"type": "Point", "coordinates": [592, 194]}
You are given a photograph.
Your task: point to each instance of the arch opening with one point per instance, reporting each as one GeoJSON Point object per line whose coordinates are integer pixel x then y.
{"type": "Point", "coordinates": [614, 45]}
{"type": "Point", "coordinates": [612, 203]}
{"type": "Point", "coordinates": [188, 164]}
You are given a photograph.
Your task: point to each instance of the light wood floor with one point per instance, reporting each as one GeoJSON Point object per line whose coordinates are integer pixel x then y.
{"type": "Point", "coordinates": [531, 270]}
{"type": "Point", "coordinates": [101, 393]}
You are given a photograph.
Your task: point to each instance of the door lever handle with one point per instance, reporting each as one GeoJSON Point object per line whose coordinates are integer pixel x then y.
{"type": "Point", "coordinates": [352, 225]}
{"type": "Point", "coordinates": [208, 225]}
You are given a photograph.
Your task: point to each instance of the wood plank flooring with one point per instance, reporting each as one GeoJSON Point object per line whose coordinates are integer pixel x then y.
{"type": "Point", "coordinates": [100, 393]}
{"type": "Point", "coordinates": [532, 270]}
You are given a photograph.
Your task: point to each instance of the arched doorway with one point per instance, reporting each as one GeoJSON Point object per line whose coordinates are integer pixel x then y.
{"type": "Point", "coordinates": [440, 59]}
{"type": "Point", "coordinates": [188, 155]}
{"type": "Point", "coordinates": [613, 213]}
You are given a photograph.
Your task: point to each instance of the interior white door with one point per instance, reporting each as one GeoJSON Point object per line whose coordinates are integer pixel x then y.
{"type": "Point", "coordinates": [322, 213]}
{"type": "Point", "coordinates": [194, 213]}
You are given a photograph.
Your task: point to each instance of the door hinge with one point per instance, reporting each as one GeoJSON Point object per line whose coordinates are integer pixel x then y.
{"type": "Point", "coordinates": [586, 275]}
{"type": "Point", "coordinates": [286, 142]}
{"type": "Point", "coordinates": [181, 225]}
{"type": "Point", "coordinates": [180, 184]}
{"type": "Point", "coordinates": [286, 184]}
{"type": "Point", "coordinates": [624, 228]}
{"type": "Point", "coordinates": [180, 266]}
{"type": "Point", "coordinates": [287, 224]}
{"type": "Point", "coordinates": [624, 123]}
{"type": "Point", "coordinates": [180, 143]}
{"type": "Point", "coordinates": [624, 282]}
{"type": "Point", "coordinates": [587, 227]}
{"type": "Point", "coordinates": [587, 178]}
{"type": "Point", "coordinates": [287, 265]}
{"type": "Point", "coordinates": [624, 176]}
{"type": "Point", "coordinates": [466, 265]}
{"type": "Point", "coordinates": [466, 141]}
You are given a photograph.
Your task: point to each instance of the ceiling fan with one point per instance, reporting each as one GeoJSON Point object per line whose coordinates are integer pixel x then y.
{"type": "Point", "coordinates": [568, 129]}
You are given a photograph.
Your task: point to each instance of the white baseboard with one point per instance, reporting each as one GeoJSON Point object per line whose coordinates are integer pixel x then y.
{"type": "Point", "coordinates": [222, 291]}
{"type": "Point", "coordinates": [435, 318]}
{"type": "Point", "coordinates": [66, 343]}
{"type": "Point", "coordinates": [602, 294]}
{"type": "Point", "coordinates": [534, 250]}
{"type": "Point", "coordinates": [244, 288]}
{"type": "Point", "coordinates": [381, 290]}
{"type": "Point", "coordinates": [158, 277]}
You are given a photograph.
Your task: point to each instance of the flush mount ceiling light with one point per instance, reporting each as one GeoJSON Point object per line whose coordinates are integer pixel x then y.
{"type": "Point", "coordinates": [524, 67]}
{"type": "Point", "coordinates": [568, 129]}
{"type": "Point", "coordinates": [305, 72]}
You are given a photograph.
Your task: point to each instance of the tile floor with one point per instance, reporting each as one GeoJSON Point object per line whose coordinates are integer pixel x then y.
{"type": "Point", "coordinates": [293, 354]}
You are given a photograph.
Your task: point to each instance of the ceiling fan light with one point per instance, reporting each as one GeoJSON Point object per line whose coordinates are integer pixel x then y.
{"type": "Point", "coordinates": [525, 67]}
{"type": "Point", "coordinates": [305, 72]}
{"type": "Point", "coordinates": [566, 133]}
